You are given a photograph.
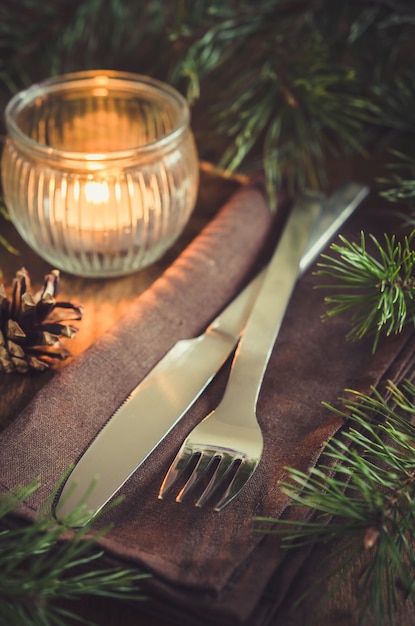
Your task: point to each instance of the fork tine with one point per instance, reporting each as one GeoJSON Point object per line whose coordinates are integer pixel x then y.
{"type": "Point", "coordinates": [221, 471]}
{"type": "Point", "coordinates": [238, 482]}
{"type": "Point", "coordinates": [205, 461]}
{"type": "Point", "coordinates": [176, 469]}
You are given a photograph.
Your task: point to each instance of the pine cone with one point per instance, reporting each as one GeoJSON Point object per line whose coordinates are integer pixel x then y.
{"type": "Point", "coordinates": [31, 326]}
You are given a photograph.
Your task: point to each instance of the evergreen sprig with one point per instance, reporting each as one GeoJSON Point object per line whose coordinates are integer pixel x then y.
{"type": "Point", "coordinates": [41, 566]}
{"type": "Point", "coordinates": [378, 288]}
{"type": "Point", "coordinates": [4, 243]}
{"type": "Point", "coordinates": [363, 498]}
{"type": "Point", "coordinates": [400, 186]}
{"type": "Point", "coordinates": [294, 97]}
{"type": "Point", "coordinates": [4, 214]}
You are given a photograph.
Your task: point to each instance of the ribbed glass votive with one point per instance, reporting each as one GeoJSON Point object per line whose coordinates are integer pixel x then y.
{"type": "Point", "coordinates": [99, 170]}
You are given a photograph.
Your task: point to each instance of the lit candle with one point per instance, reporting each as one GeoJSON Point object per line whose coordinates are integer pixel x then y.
{"type": "Point", "coordinates": [91, 215]}
{"type": "Point", "coordinates": [100, 170]}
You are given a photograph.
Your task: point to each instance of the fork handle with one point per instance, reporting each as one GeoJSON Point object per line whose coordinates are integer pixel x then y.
{"type": "Point", "coordinates": [261, 331]}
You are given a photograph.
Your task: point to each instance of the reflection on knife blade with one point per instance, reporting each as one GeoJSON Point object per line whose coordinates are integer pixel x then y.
{"type": "Point", "coordinates": [172, 386]}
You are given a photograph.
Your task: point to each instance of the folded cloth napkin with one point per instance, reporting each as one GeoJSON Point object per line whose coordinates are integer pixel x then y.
{"type": "Point", "coordinates": [211, 568]}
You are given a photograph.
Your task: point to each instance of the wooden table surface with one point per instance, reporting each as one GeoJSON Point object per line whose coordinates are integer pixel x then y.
{"type": "Point", "coordinates": [104, 301]}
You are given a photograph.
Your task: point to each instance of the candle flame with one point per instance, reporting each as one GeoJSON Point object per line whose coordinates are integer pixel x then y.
{"type": "Point", "coordinates": [97, 192]}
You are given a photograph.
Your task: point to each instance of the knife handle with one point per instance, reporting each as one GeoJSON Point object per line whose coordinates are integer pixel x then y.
{"type": "Point", "coordinates": [256, 344]}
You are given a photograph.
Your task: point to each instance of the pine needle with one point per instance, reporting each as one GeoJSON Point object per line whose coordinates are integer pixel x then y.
{"type": "Point", "coordinates": [377, 288]}
{"type": "Point", "coordinates": [368, 492]}
{"type": "Point", "coordinates": [41, 565]}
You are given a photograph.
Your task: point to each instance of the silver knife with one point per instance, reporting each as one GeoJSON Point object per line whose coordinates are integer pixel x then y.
{"type": "Point", "coordinates": [159, 401]}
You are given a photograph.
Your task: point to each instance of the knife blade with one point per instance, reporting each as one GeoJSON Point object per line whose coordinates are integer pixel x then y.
{"type": "Point", "coordinates": [159, 401]}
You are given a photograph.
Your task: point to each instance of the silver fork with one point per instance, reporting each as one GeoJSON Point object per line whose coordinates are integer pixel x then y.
{"type": "Point", "coordinates": [227, 445]}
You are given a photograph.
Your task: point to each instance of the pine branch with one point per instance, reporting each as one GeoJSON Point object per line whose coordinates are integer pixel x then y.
{"type": "Point", "coordinates": [4, 243]}
{"type": "Point", "coordinates": [39, 569]}
{"type": "Point", "coordinates": [378, 290]}
{"type": "Point", "coordinates": [367, 489]}
{"type": "Point", "coordinates": [292, 99]}
{"type": "Point", "coordinates": [400, 187]}
{"type": "Point", "coordinates": [293, 107]}
{"type": "Point", "coordinates": [308, 82]}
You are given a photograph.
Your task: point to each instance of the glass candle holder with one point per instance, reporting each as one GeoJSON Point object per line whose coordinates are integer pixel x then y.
{"type": "Point", "coordinates": [99, 170]}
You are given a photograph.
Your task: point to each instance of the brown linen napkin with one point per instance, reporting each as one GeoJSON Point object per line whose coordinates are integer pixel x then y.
{"type": "Point", "coordinates": [211, 567]}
